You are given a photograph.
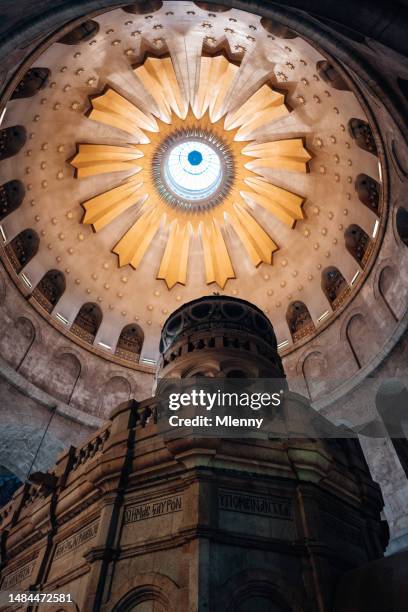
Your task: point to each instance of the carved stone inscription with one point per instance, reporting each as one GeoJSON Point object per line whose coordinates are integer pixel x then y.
{"type": "Point", "coordinates": [70, 544]}
{"type": "Point", "coordinates": [262, 505]}
{"type": "Point", "coordinates": [17, 577]}
{"type": "Point", "coordinates": [152, 509]}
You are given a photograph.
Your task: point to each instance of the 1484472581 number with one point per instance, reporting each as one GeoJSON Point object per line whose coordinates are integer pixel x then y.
{"type": "Point", "coordinates": [40, 598]}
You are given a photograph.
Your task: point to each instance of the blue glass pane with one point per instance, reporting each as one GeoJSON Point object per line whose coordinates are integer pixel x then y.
{"type": "Point", "coordinates": [195, 158]}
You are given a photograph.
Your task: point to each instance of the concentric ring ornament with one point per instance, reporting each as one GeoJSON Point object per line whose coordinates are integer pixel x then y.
{"type": "Point", "coordinates": [192, 193]}
{"type": "Point", "coordinates": [198, 198]}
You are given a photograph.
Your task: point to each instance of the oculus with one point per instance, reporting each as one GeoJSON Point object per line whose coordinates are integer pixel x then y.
{"type": "Point", "coordinates": [193, 170]}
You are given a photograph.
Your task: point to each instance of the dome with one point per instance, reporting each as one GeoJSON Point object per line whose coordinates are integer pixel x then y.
{"type": "Point", "coordinates": [154, 175]}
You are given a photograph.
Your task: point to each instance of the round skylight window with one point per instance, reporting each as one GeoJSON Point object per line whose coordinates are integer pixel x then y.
{"type": "Point", "coordinates": [193, 169]}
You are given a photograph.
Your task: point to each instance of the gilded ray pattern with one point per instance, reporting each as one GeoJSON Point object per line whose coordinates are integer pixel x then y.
{"type": "Point", "coordinates": [171, 115]}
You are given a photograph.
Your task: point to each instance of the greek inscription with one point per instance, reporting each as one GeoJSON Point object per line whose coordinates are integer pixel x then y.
{"type": "Point", "coordinates": [254, 504]}
{"type": "Point", "coordinates": [18, 576]}
{"type": "Point", "coordinates": [153, 509]}
{"type": "Point", "coordinates": [76, 540]}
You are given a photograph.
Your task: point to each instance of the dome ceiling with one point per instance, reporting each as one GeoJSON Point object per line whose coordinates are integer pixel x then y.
{"type": "Point", "coordinates": [213, 139]}
{"type": "Point", "coordinates": [180, 152]}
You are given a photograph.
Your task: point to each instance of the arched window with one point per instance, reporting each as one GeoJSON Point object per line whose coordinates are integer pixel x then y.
{"type": "Point", "coordinates": [236, 374]}
{"type": "Point", "coordinates": [87, 322]}
{"type": "Point", "coordinates": [22, 248]}
{"type": "Point", "coordinates": [253, 594]}
{"type": "Point", "coordinates": [11, 196]}
{"type": "Point", "coordinates": [335, 286]}
{"type": "Point", "coordinates": [299, 321]}
{"type": "Point", "coordinates": [146, 598]}
{"type": "Point", "coordinates": [358, 244]}
{"type": "Point", "coordinates": [16, 341]}
{"type": "Point", "coordinates": [62, 378]}
{"type": "Point", "coordinates": [277, 29]}
{"type": "Point", "coordinates": [368, 191]}
{"type": "Point", "coordinates": [361, 132]}
{"type": "Point", "coordinates": [212, 8]}
{"type": "Point", "coordinates": [50, 289]}
{"type": "Point", "coordinates": [12, 139]}
{"type": "Point", "coordinates": [143, 7]}
{"type": "Point", "coordinates": [33, 80]}
{"type": "Point", "coordinates": [331, 76]}
{"type": "Point", "coordinates": [402, 224]}
{"type": "Point", "coordinates": [386, 282]}
{"type": "Point", "coordinates": [115, 391]}
{"type": "Point", "coordinates": [130, 343]}
{"type": "Point", "coordinates": [85, 31]}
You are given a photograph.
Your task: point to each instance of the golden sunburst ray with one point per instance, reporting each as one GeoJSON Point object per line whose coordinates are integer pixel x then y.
{"type": "Point", "coordinates": [216, 76]}
{"type": "Point", "coordinates": [115, 110]}
{"type": "Point", "coordinates": [285, 154]}
{"type": "Point", "coordinates": [173, 267]}
{"type": "Point", "coordinates": [134, 244]}
{"type": "Point", "coordinates": [107, 206]}
{"type": "Point", "coordinates": [93, 159]}
{"type": "Point", "coordinates": [170, 123]}
{"type": "Point", "coordinates": [257, 242]}
{"type": "Point", "coordinates": [263, 107]}
{"type": "Point", "coordinates": [159, 79]}
{"type": "Point", "coordinates": [217, 261]}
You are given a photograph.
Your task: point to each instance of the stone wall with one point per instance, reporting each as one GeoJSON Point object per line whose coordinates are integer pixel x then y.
{"type": "Point", "coordinates": [41, 371]}
{"type": "Point", "coordinates": [41, 368]}
{"type": "Point", "coordinates": [52, 363]}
